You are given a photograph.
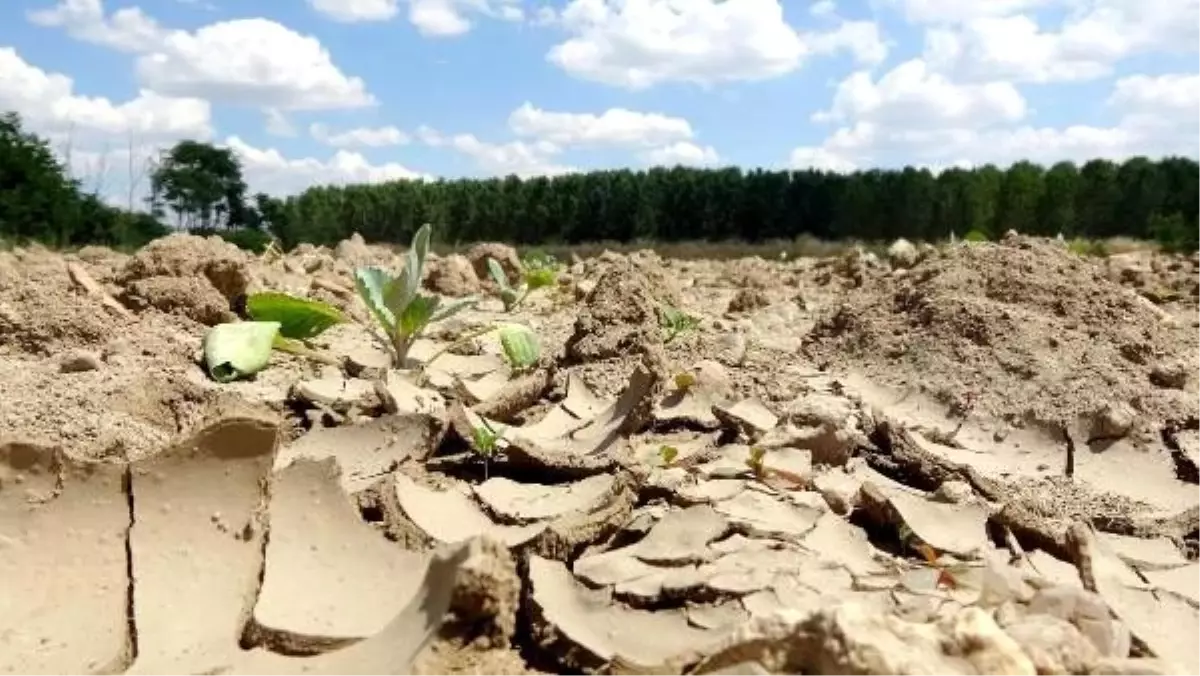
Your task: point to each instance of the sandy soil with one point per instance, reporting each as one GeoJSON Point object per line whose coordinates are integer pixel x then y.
{"type": "Point", "coordinates": [974, 459]}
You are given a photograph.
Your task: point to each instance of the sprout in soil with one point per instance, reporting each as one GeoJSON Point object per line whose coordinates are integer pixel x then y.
{"type": "Point", "coordinates": [755, 461]}
{"type": "Point", "coordinates": [538, 272]}
{"type": "Point", "coordinates": [278, 322]}
{"type": "Point", "coordinates": [485, 442]}
{"type": "Point", "coordinates": [667, 454]}
{"type": "Point", "coordinates": [519, 343]}
{"type": "Point", "coordinates": [676, 322]}
{"type": "Point", "coordinates": [685, 381]}
{"type": "Point", "coordinates": [397, 303]}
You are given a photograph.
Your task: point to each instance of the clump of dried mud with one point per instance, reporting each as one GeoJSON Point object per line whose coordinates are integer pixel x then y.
{"type": "Point", "coordinates": [1022, 330]}
{"type": "Point", "coordinates": [342, 519]}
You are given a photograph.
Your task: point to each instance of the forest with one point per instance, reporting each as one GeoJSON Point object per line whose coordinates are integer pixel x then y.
{"type": "Point", "coordinates": [199, 187]}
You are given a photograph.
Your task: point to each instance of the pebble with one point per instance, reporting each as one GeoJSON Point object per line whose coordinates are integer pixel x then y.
{"type": "Point", "coordinates": [77, 361]}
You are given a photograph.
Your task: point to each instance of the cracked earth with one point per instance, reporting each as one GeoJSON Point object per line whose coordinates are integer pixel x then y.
{"type": "Point", "coordinates": [978, 458]}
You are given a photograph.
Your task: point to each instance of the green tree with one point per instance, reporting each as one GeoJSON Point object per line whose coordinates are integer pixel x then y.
{"type": "Point", "coordinates": [201, 184]}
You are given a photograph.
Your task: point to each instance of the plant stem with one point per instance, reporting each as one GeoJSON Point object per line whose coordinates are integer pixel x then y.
{"type": "Point", "coordinates": [301, 350]}
{"type": "Point", "coordinates": [461, 340]}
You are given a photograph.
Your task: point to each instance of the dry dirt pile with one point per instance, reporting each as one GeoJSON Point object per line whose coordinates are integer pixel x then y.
{"type": "Point", "coordinates": [715, 504]}
{"type": "Point", "coordinates": [1022, 330]}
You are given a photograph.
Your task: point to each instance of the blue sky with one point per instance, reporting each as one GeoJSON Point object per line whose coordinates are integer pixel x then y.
{"type": "Point", "coordinates": [314, 91]}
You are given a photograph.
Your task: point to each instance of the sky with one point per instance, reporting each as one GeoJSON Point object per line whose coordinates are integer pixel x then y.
{"type": "Point", "coordinates": [311, 92]}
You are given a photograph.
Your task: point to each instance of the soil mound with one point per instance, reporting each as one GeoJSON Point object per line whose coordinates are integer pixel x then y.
{"type": "Point", "coordinates": [1020, 329]}
{"type": "Point", "coordinates": [224, 265]}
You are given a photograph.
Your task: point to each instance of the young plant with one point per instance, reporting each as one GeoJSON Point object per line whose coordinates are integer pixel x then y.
{"type": "Point", "coordinates": [277, 322]}
{"type": "Point", "coordinates": [684, 381]}
{"type": "Point", "coordinates": [539, 271]}
{"type": "Point", "coordinates": [676, 322]}
{"type": "Point", "coordinates": [667, 454]}
{"type": "Point", "coordinates": [398, 305]}
{"type": "Point", "coordinates": [755, 461]}
{"type": "Point", "coordinates": [486, 443]}
{"type": "Point", "coordinates": [520, 345]}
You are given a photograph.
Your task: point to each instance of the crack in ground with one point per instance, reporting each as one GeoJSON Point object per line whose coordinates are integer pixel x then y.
{"type": "Point", "coordinates": [130, 617]}
{"type": "Point", "coordinates": [253, 636]}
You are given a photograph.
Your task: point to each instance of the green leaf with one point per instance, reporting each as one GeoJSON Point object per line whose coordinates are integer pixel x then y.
{"type": "Point", "coordinates": [372, 284]}
{"type": "Point", "coordinates": [406, 286]}
{"type": "Point", "coordinates": [298, 318]}
{"type": "Point", "coordinates": [417, 315]}
{"type": "Point", "coordinates": [497, 274]}
{"type": "Point", "coordinates": [452, 308]}
{"type": "Point", "coordinates": [520, 344]}
{"type": "Point", "coordinates": [540, 278]}
{"type": "Point", "coordinates": [239, 349]}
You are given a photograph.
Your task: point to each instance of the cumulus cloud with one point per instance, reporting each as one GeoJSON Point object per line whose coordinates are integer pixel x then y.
{"type": "Point", "coordinates": [681, 153]}
{"type": "Point", "coordinates": [253, 62]}
{"type": "Point", "coordinates": [48, 104]}
{"type": "Point", "coordinates": [613, 127]}
{"type": "Point", "coordinates": [368, 137]}
{"type": "Point", "coordinates": [269, 170]}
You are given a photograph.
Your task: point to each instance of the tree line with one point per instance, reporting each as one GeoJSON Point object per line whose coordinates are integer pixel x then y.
{"type": "Point", "coordinates": [199, 187]}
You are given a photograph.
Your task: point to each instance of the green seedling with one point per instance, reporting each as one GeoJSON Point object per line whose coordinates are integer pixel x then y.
{"type": "Point", "coordinates": [755, 461]}
{"type": "Point", "coordinates": [485, 442]}
{"type": "Point", "coordinates": [398, 305]}
{"type": "Point", "coordinates": [539, 271]}
{"type": "Point", "coordinates": [278, 322]}
{"type": "Point", "coordinates": [685, 381]}
{"type": "Point", "coordinates": [519, 343]}
{"type": "Point", "coordinates": [676, 322]}
{"type": "Point", "coordinates": [521, 346]}
{"type": "Point", "coordinates": [667, 454]}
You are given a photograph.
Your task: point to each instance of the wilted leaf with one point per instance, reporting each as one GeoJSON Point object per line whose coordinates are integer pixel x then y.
{"type": "Point", "coordinates": [298, 318]}
{"type": "Point", "coordinates": [520, 344]}
{"type": "Point", "coordinates": [238, 349]}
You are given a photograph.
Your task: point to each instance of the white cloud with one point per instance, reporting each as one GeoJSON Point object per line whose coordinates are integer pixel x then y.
{"type": "Point", "coordinates": [956, 11]}
{"type": "Point", "coordinates": [1092, 38]}
{"type": "Point", "coordinates": [278, 124]}
{"type": "Point", "coordinates": [613, 127]}
{"type": "Point", "coordinates": [268, 170]}
{"type": "Point", "coordinates": [501, 159]}
{"type": "Point", "coordinates": [823, 8]}
{"type": "Point", "coordinates": [640, 43]}
{"type": "Point", "coordinates": [255, 62]}
{"type": "Point", "coordinates": [447, 18]}
{"type": "Point", "coordinates": [861, 38]}
{"type": "Point", "coordinates": [351, 11]}
{"type": "Point", "coordinates": [681, 153]}
{"type": "Point", "coordinates": [371, 137]}
{"type": "Point", "coordinates": [1156, 116]}
{"type": "Point", "coordinates": [911, 96]}
{"type": "Point", "coordinates": [48, 104]}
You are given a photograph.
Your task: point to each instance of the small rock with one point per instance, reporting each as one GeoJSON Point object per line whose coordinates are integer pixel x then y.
{"type": "Point", "coordinates": [1112, 422]}
{"type": "Point", "coordinates": [337, 393]}
{"type": "Point", "coordinates": [504, 254]}
{"type": "Point", "coordinates": [731, 349]}
{"type": "Point", "coordinates": [902, 254]}
{"type": "Point", "coordinates": [452, 276]}
{"type": "Point", "coordinates": [77, 361]}
{"type": "Point", "coordinates": [1090, 615]}
{"type": "Point", "coordinates": [1054, 645]}
{"type": "Point", "coordinates": [1172, 375]}
{"type": "Point", "coordinates": [955, 492]}
{"type": "Point", "coordinates": [748, 299]}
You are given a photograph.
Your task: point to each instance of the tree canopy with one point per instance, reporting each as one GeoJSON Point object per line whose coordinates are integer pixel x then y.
{"type": "Point", "coordinates": [202, 187]}
{"type": "Point", "coordinates": [40, 202]}
{"type": "Point", "coordinates": [1139, 198]}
